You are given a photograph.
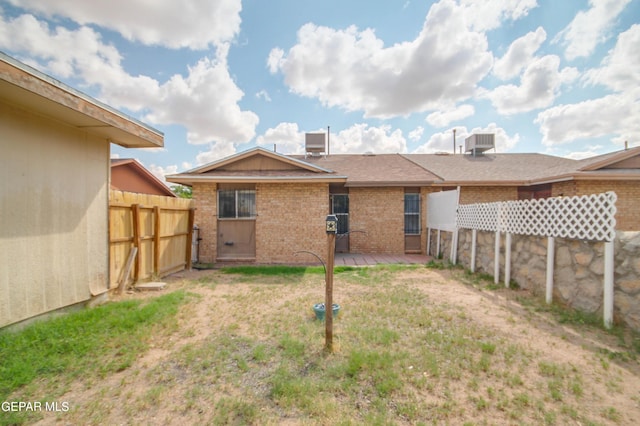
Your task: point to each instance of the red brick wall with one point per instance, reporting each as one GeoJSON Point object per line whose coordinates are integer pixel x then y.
{"type": "Point", "coordinates": [379, 212]}
{"type": "Point", "coordinates": [291, 217]}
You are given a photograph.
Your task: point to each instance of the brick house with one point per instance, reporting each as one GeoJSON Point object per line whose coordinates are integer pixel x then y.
{"type": "Point", "coordinates": [266, 207]}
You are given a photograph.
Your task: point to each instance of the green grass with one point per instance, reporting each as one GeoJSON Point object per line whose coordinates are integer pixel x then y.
{"type": "Point", "coordinates": [88, 344]}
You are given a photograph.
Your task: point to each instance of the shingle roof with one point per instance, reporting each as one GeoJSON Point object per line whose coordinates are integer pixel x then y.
{"type": "Point", "coordinates": [424, 169]}
{"type": "Point", "coordinates": [493, 168]}
{"type": "Point", "coordinates": [375, 170]}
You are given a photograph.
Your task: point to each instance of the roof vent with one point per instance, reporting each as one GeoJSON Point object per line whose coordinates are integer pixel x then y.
{"type": "Point", "coordinates": [314, 144]}
{"type": "Point", "coordinates": [479, 143]}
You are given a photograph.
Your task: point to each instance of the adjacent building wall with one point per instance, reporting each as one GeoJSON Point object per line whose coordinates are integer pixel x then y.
{"type": "Point", "coordinates": [53, 215]}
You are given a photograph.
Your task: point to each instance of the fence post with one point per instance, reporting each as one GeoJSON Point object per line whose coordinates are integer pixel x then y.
{"type": "Point", "coordinates": [608, 283]}
{"type": "Point", "coordinates": [507, 259]}
{"type": "Point", "coordinates": [496, 259]}
{"type": "Point", "coordinates": [474, 236]}
{"type": "Point", "coordinates": [551, 252]}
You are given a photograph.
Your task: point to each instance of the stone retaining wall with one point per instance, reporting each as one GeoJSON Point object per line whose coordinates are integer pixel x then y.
{"type": "Point", "coordinates": [578, 268]}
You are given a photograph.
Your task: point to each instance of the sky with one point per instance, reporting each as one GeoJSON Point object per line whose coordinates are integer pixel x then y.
{"type": "Point", "coordinates": [218, 77]}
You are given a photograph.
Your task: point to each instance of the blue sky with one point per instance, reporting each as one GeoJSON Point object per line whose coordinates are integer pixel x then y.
{"type": "Point", "coordinates": [222, 76]}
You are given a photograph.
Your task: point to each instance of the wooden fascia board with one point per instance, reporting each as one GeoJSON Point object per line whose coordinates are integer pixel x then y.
{"type": "Point", "coordinates": [367, 184]}
{"type": "Point", "coordinates": [191, 179]}
{"type": "Point", "coordinates": [608, 176]}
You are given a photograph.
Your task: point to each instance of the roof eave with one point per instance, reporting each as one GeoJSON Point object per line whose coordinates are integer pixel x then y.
{"type": "Point", "coordinates": [32, 90]}
{"type": "Point", "coordinates": [191, 179]}
{"type": "Point", "coordinates": [371, 184]}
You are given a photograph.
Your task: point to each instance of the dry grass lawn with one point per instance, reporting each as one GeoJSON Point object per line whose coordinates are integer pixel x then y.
{"type": "Point", "coordinates": [412, 346]}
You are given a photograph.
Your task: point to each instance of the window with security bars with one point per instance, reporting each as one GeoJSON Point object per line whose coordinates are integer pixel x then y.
{"type": "Point", "coordinates": [236, 203]}
{"type": "Point", "coordinates": [411, 214]}
{"type": "Point", "coordinates": [340, 207]}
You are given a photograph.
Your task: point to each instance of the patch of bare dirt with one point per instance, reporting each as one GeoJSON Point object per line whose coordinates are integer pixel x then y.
{"type": "Point", "coordinates": [111, 401]}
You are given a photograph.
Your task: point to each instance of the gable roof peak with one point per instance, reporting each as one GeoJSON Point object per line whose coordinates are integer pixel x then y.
{"type": "Point", "coordinates": [256, 151]}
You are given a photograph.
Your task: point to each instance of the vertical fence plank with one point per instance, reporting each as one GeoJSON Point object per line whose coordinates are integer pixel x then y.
{"type": "Point", "coordinates": [135, 217]}
{"type": "Point", "coordinates": [157, 232]}
{"type": "Point", "coordinates": [156, 240]}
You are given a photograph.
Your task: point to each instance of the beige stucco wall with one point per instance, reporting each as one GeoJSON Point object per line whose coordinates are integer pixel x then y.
{"type": "Point", "coordinates": [53, 215]}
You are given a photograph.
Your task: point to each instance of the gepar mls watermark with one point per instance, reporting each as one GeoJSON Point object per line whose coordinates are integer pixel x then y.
{"type": "Point", "coordinates": [18, 406]}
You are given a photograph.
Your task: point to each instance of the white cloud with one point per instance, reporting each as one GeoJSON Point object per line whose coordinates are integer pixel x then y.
{"type": "Point", "coordinates": [519, 55]}
{"type": "Point", "coordinates": [356, 139]}
{"type": "Point", "coordinates": [590, 152]}
{"type": "Point", "coordinates": [361, 138]}
{"type": "Point", "coordinates": [488, 15]}
{"type": "Point", "coordinates": [613, 115]}
{"type": "Point", "coordinates": [620, 70]}
{"type": "Point", "coordinates": [264, 95]}
{"type": "Point", "coordinates": [160, 172]}
{"type": "Point", "coordinates": [352, 68]}
{"type": "Point", "coordinates": [205, 101]}
{"type": "Point", "coordinates": [217, 151]}
{"type": "Point", "coordinates": [416, 134]}
{"type": "Point", "coordinates": [539, 85]}
{"type": "Point", "coordinates": [610, 115]}
{"type": "Point", "coordinates": [443, 141]}
{"type": "Point", "coordinates": [286, 136]}
{"type": "Point", "coordinates": [194, 24]}
{"type": "Point", "coordinates": [444, 118]}
{"type": "Point", "coordinates": [590, 28]}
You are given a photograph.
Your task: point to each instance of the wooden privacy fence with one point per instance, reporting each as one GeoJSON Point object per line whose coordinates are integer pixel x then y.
{"type": "Point", "coordinates": [160, 228]}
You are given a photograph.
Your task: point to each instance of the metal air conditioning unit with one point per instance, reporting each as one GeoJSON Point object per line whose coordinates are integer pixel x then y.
{"type": "Point", "coordinates": [315, 144]}
{"type": "Point", "coordinates": [479, 143]}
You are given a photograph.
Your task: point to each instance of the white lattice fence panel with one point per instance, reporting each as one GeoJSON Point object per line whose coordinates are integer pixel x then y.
{"type": "Point", "coordinates": [483, 216]}
{"type": "Point", "coordinates": [587, 217]}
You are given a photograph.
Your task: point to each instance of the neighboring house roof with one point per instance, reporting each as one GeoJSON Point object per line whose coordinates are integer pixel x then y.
{"type": "Point", "coordinates": [29, 89]}
{"type": "Point", "coordinates": [488, 169]}
{"type": "Point", "coordinates": [129, 175]}
{"type": "Point", "coordinates": [416, 169]}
